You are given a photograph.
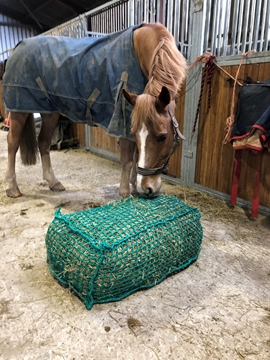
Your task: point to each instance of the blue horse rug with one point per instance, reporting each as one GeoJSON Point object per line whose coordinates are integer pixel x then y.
{"type": "Point", "coordinates": [81, 79]}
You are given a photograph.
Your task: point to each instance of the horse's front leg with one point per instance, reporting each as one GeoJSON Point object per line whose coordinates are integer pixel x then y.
{"type": "Point", "coordinates": [17, 122]}
{"type": "Point", "coordinates": [48, 126]}
{"type": "Point", "coordinates": [127, 148]}
{"type": "Point", "coordinates": [133, 179]}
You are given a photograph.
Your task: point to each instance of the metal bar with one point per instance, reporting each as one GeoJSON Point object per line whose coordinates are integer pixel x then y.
{"type": "Point", "coordinates": [184, 25]}
{"type": "Point", "coordinates": [245, 25]}
{"type": "Point", "coordinates": [267, 28]}
{"type": "Point", "coordinates": [192, 94]}
{"type": "Point", "coordinates": [159, 8]}
{"type": "Point", "coordinates": [207, 24]}
{"type": "Point", "coordinates": [226, 27]}
{"type": "Point", "coordinates": [153, 11]}
{"type": "Point", "coordinates": [251, 29]}
{"type": "Point", "coordinates": [219, 20]}
{"type": "Point", "coordinates": [234, 25]}
{"type": "Point", "coordinates": [177, 21]}
{"type": "Point", "coordinates": [240, 25]}
{"type": "Point", "coordinates": [112, 22]}
{"type": "Point", "coordinates": [190, 32]}
{"type": "Point", "coordinates": [214, 28]}
{"type": "Point", "coordinates": [145, 8]}
{"type": "Point", "coordinates": [104, 6]}
{"type": "Point", "coordinates": [170, 15]}
{"type": "Point", "coordinates": [117, 17]}
{"type": "Point", "coordinates": [262, 25]}
{"type": "Point", "coordinates": [164, 11]}
{"type": "Point", "coordinates": [183, 8]}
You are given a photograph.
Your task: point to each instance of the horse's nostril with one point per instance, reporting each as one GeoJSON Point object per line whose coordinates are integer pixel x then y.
{"type": "Point", "coordinates": [149, 191]}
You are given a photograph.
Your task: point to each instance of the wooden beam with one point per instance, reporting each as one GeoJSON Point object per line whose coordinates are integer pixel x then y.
{"type": "Point", "coordinates": [31, 14]}
{"type": "Point", "coordinates": [74, 7]}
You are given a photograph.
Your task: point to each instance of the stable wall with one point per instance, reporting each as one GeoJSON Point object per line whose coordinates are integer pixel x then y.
{"type": "Point", "coordinates": [214, 160]}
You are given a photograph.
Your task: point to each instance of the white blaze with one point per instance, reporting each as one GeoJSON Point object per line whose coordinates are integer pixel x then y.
{"type": "Point", "coordinates": [141, 163]}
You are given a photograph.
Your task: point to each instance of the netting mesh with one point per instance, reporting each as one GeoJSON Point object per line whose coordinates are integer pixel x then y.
{"type": "Point", "coordinates": [106, 253]}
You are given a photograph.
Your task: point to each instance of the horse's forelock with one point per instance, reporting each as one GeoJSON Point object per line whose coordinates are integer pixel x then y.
{"type": "Point", "coordinates": [144, 112]}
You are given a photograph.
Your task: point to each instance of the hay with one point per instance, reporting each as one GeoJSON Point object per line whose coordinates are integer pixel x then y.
{"type": "Point", "coordinates": [104, 254]}
{"type": "Point", "coordinates": [212, 208]}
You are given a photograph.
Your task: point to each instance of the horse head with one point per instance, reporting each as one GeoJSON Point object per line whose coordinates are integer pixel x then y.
{"type": "Point", "coordinates": [157, 136]}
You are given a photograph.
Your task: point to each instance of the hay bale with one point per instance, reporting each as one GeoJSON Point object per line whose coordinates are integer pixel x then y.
{"type": "Point", "coordinates": [106, 253]}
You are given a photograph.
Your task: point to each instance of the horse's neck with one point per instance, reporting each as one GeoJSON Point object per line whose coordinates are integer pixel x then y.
{"type": "Point", "coordinates": [145, 43]}
{"type": "Point", "coordinates": [148, 40]}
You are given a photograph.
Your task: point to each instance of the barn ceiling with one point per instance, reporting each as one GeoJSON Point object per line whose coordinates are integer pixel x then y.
{"type": "Point", "coordinates": [46, 14]}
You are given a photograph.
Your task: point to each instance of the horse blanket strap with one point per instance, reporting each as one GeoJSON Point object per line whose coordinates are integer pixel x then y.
{"type": "Point", "coordinates": [42, 87]}
{"type": "Point", "coordinates": [40, 84]}
{"type": "Point", "coordinates": [122, 85]}
{"type": "Point", "coordinates": [164, 168]}
{"type": "Point", "coordinates": [69, 71]}
{"type": "Point", "coordinates": [93, 97]}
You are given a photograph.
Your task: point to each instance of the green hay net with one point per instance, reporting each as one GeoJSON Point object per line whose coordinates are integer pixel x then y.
{"type": "Point", "coordinates": [106, 253]}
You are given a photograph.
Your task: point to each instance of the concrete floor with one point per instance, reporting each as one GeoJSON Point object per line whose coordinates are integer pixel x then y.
{"type": "Point", "coordinates": [218, 308]}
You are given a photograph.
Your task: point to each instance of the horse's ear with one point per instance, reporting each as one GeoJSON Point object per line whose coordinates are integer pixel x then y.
{"type": "Point", "coordinates": [164, 98]}
{"type": "Point", "coordinates": [131, 98]}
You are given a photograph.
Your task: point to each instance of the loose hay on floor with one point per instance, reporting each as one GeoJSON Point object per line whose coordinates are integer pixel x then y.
{"type": "Point", "coordinates": [105, 254]}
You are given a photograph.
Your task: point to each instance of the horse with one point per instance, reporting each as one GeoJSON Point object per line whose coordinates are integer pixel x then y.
{"type": "Point", "coordinates": [151, 130]}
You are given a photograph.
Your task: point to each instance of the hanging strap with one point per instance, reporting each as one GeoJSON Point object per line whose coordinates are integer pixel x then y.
{"type": "Point", "coordinates": [42, 87]}
{"type": "Point", "coordinates": [122, 85]}
{"type": "Point", "coordinates": [207, 75]}
{"type": "Point", "coordinates": [92, 98]}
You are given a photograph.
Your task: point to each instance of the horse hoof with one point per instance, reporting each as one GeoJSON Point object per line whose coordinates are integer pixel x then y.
{"type": "Point", "coordinates": [124, 194]}
{"type": "Point", "coordinates": [13, 193]}
{"type": "Point", "coordinates": [57, 187]}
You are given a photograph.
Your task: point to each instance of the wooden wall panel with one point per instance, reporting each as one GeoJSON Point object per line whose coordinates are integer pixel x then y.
{"type": "Point", "coordinates": [79, 133]}
{"type": "Point", "coordinates": [101, 140]}
{"type": "Point", "coordinates": [214, 161]}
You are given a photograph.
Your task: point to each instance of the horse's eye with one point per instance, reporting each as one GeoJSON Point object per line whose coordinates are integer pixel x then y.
{"type": "Point", "coordinates": [161, 138]}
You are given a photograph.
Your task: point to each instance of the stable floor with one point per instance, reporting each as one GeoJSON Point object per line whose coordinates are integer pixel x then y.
{"type": "Point", "coordinates": [218, 308]}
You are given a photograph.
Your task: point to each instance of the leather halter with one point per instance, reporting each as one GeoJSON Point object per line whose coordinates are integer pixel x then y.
{"type": "Point", "coordinates": [164, 168]}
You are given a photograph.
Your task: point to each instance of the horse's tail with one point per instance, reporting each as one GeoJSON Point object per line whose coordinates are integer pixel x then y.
{"type": "Point", "coordinates": [1, 69]}
{"type": "Point", "coordinates": [28, 142]}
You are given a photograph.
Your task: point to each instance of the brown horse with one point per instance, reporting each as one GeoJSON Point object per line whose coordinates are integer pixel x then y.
{"type": "Point", "coordinates": [154, 127]}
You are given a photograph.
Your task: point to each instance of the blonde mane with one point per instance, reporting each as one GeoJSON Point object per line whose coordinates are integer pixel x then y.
{"type": "Point", "coordinates": [168, 66]}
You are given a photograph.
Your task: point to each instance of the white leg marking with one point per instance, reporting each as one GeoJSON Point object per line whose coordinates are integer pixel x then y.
{"type": "Point", "coordinates": [141, 162]}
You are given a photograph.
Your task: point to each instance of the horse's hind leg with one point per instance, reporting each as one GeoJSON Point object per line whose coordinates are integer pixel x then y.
{"type": "Point", "coordinates": [17, 122]}
{"type": "Point", "coordinates": [48, 125]}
